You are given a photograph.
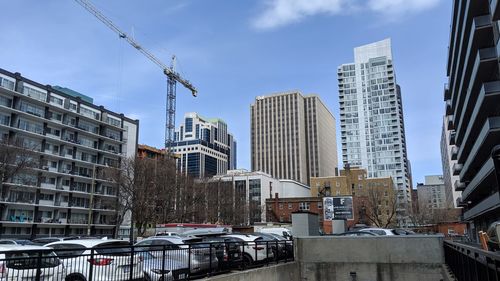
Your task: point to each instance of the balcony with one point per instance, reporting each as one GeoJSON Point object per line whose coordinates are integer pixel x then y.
{"type": "Point", "coordinates": [481, 150]}
{"type": "Point", "coordinates": [490, 203]}
{"type": "Point", "coordinates": [458, 186]}
{"type": "Point", "coordinates": [487, 104]}
{"type": "Point", "coordinates": [495, 9]}
{"type": "Point", "coordinates": [454, 152]}
{"type": "Point", "coordinates": [483, 179]}
{"type": "Point", "coordinates": [457, 168]}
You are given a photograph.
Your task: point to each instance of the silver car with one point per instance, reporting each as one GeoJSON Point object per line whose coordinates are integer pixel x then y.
{"type": "Point", "coordinates": [159, 269]}
{"type": "Point", "coordinates": [199, 257]}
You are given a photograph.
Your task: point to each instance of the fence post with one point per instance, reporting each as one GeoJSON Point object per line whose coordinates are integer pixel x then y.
{"type": "Point", "coordinates": [267, 253]}
{"type": "Point", "coordinates": [131, 274]}
{"type": "Point", "coordinates": [277, 252]}
{"type": "Point", "coordinates": [163, 263]}
{"type": "Point", "coordinates": [189, 260]}
{"type": "Point", "coordinates": [210, 266]}
{"type": "Point", "coordinates": [38, 266]}
{"type": "Point", "coordinates": [91, 269]}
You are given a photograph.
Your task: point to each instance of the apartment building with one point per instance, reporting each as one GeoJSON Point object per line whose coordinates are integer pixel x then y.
{"type": "Point", "coordinates": [371, 117]}
{"type": "Point", "coordinates": [73, 141]}
{"type": "Point", "coordinates": [472, 96]}
{"type": "Point", "coordinates": [204, 146]}
{"type": "Point", "coordinates": [293, 137]}
{"type": "Point", "coordinates": [449, 179]}
{"type": "Point", "coordinates": [146, 151]}
{"type": "Point", "coordinates": [432, 194]}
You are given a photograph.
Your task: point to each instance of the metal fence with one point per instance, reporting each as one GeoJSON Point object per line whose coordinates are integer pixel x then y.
{"type": "Point", "coordinates": [471, 263]}
{"type": "Point", "coordinates": [148, 262]}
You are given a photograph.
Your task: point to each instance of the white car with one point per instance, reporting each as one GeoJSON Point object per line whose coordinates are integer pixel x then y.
{"type": "Point", "coordinates": [202, 257]}
{"type": "Point", "coordinates": [379, 231]}
{"type": "Point", "coordinates": [254, 248]}
{"type": "Point", "coordinates": [19, 262]}
{"type": "Point", "coordinates": [109, 260]}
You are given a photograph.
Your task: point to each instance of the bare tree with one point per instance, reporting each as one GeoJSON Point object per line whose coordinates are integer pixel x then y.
{"type": "Point", "coordinates": [380, 206]}
{"type": "Point", "coordinates": [16, 161]}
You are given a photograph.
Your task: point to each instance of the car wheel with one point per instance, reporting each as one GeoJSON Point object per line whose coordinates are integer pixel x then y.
{"type": "Point", "coordinates": [247, 261]}
{"type": "Point", "coordinates": [74, 278]}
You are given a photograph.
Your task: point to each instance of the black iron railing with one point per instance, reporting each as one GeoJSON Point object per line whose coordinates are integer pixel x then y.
{"type": "Point", "coordinates": [469, 263]}
{"type": "Point", "coordinates": [73, 262]}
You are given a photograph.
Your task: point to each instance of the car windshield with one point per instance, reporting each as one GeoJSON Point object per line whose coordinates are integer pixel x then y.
{"type": "Point", "coordinates": [29, 259]}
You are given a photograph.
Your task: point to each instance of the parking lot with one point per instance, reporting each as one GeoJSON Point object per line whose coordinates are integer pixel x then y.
{"type": "Point", "coordinates": [159, 258]}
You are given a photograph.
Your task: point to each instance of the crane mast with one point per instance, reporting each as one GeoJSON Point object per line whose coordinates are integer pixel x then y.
{"type": "Point", "coordinates": [172, 76]}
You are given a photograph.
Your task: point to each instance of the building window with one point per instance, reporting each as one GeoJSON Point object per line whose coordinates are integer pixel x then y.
{"type": "Point", "coordinates": [281, 206]}
{"type": "Point", "coordinates": [290, 206]}
{"type": "Point", "coordinates": [304, 206]}
{"type": "Point", "coordinates": [320, 205]}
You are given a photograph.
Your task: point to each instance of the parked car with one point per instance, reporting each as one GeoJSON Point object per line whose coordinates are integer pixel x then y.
{"type": "Point", "coordinates": [379, 231]}
{"type": "Point", "coordinates": [288, 244]}
{"type": "Point", "coordinates": [253, 251]}
{"type": "Point", "coordinates": [400, 231]}
{"type": "Point", "coordinates": [16, 242]}
{"type": "Point", "coordinates": [46, 240]}
{"type": "Point", "coordinates": [19, 262]}
{"type": "Point", "coordinates": [357, 234]}
{"type": "Point", "coordinates": [166, 233]}
{"type": "Point", "coordinates": [200, 256]}
{"type": "Point", "coordinates": [111, 259]}
{"type": "Point", "coordinates": [159, 269]}
{"type": "Point", "coordinates": [275, 247]}
{"type": "Point", "coordinates": [227, 250]}
{"type": "Point", "coordinates": [285, 232]}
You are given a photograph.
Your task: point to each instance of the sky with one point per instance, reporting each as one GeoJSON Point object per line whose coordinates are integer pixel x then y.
{"type": "Point", "coordinates": [232, 51]}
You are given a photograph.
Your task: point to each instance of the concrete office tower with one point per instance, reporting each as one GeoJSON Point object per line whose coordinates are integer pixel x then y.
{"type": "Point", "coordinates": [74, 141]}
{"type": "Point", "coordinates": [204, 146]}
{"type": "Point", "coordinates": [293, 137]}
{"type": "Point", "coordinates": [472, 98]}
{"type": "Point", "coordinates": [432, 194]}
{"type": "Point", "coordinates": [371, 116]}
{"type": "Point", "coordinates": [449, 179]}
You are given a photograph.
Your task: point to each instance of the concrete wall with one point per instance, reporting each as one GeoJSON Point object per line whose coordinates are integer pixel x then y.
{"type": "Point", "coordinates": [280, 272]}
{"type": "Point", "coordinates": [395, 258]}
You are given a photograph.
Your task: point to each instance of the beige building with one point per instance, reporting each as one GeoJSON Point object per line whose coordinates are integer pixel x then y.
{"type": "Point", "coordinates": [293, 137]}
{"type": "Point", "coordinates": [432, 194]}
{"type": "Point", "coordinates": [374, 199]}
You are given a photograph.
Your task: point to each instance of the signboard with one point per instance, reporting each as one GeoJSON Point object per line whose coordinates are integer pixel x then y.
{"type": "Point", "coordinates": [339, 207]}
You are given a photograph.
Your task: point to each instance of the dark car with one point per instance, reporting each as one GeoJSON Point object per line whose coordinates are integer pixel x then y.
{"type": "Point", "coordinates": [227, 250]}
{"type": "Point", "coordinates": [357, 234]}
{"type": "Point", "coordinates": [277, 247]}
{"type": "Point", "coordinates": [493, 239]}
{"type": "Point", "coordinates": [46, 240]}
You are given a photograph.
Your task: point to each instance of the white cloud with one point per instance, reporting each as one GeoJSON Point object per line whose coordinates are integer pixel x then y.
{"type": "Point", "coordinates": [282, 12]}
{"type": "Point", "coordinates": [401, 6]}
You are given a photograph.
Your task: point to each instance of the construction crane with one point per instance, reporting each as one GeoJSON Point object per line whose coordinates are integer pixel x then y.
{"type": "Point", "coordinates": [172, 76]}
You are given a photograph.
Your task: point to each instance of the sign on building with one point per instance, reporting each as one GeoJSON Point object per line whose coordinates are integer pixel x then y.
{"type": "Point", "coordinates": [339, 207]}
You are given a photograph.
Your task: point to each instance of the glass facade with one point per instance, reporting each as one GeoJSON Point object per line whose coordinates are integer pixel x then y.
{"type": "Point", "coordinates": [189, 125]}
{"type": "Point", "coordinates": [210, 166]}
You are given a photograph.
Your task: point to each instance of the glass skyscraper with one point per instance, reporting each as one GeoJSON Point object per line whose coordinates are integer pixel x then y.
{"type": "Point", "coordinates": [371, 116]}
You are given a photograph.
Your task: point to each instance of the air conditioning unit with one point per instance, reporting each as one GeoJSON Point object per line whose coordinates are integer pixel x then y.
{"type": "Point", "coordinates": [45, 168]}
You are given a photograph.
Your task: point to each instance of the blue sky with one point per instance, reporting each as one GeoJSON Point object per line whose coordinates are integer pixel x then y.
{"type": "Point", "coordinates": [232, 51]}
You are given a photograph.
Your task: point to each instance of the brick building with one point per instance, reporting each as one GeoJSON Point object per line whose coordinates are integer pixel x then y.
{"type": "Point", "coordinates": [374, 199]}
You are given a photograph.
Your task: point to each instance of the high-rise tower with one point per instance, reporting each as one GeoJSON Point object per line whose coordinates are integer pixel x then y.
{"type": "Point", "coordinates": [371, 116]}
{"type": "Point", "coordinates": [293, 137]}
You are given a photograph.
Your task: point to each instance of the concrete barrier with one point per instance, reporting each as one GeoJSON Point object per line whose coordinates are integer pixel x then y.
{"type": "Point", "coordinates": [280, 272]}
{"type": "Point", "coordinates": [377, 258]}
{"type": "Point", "coordinates": [382, 258]}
